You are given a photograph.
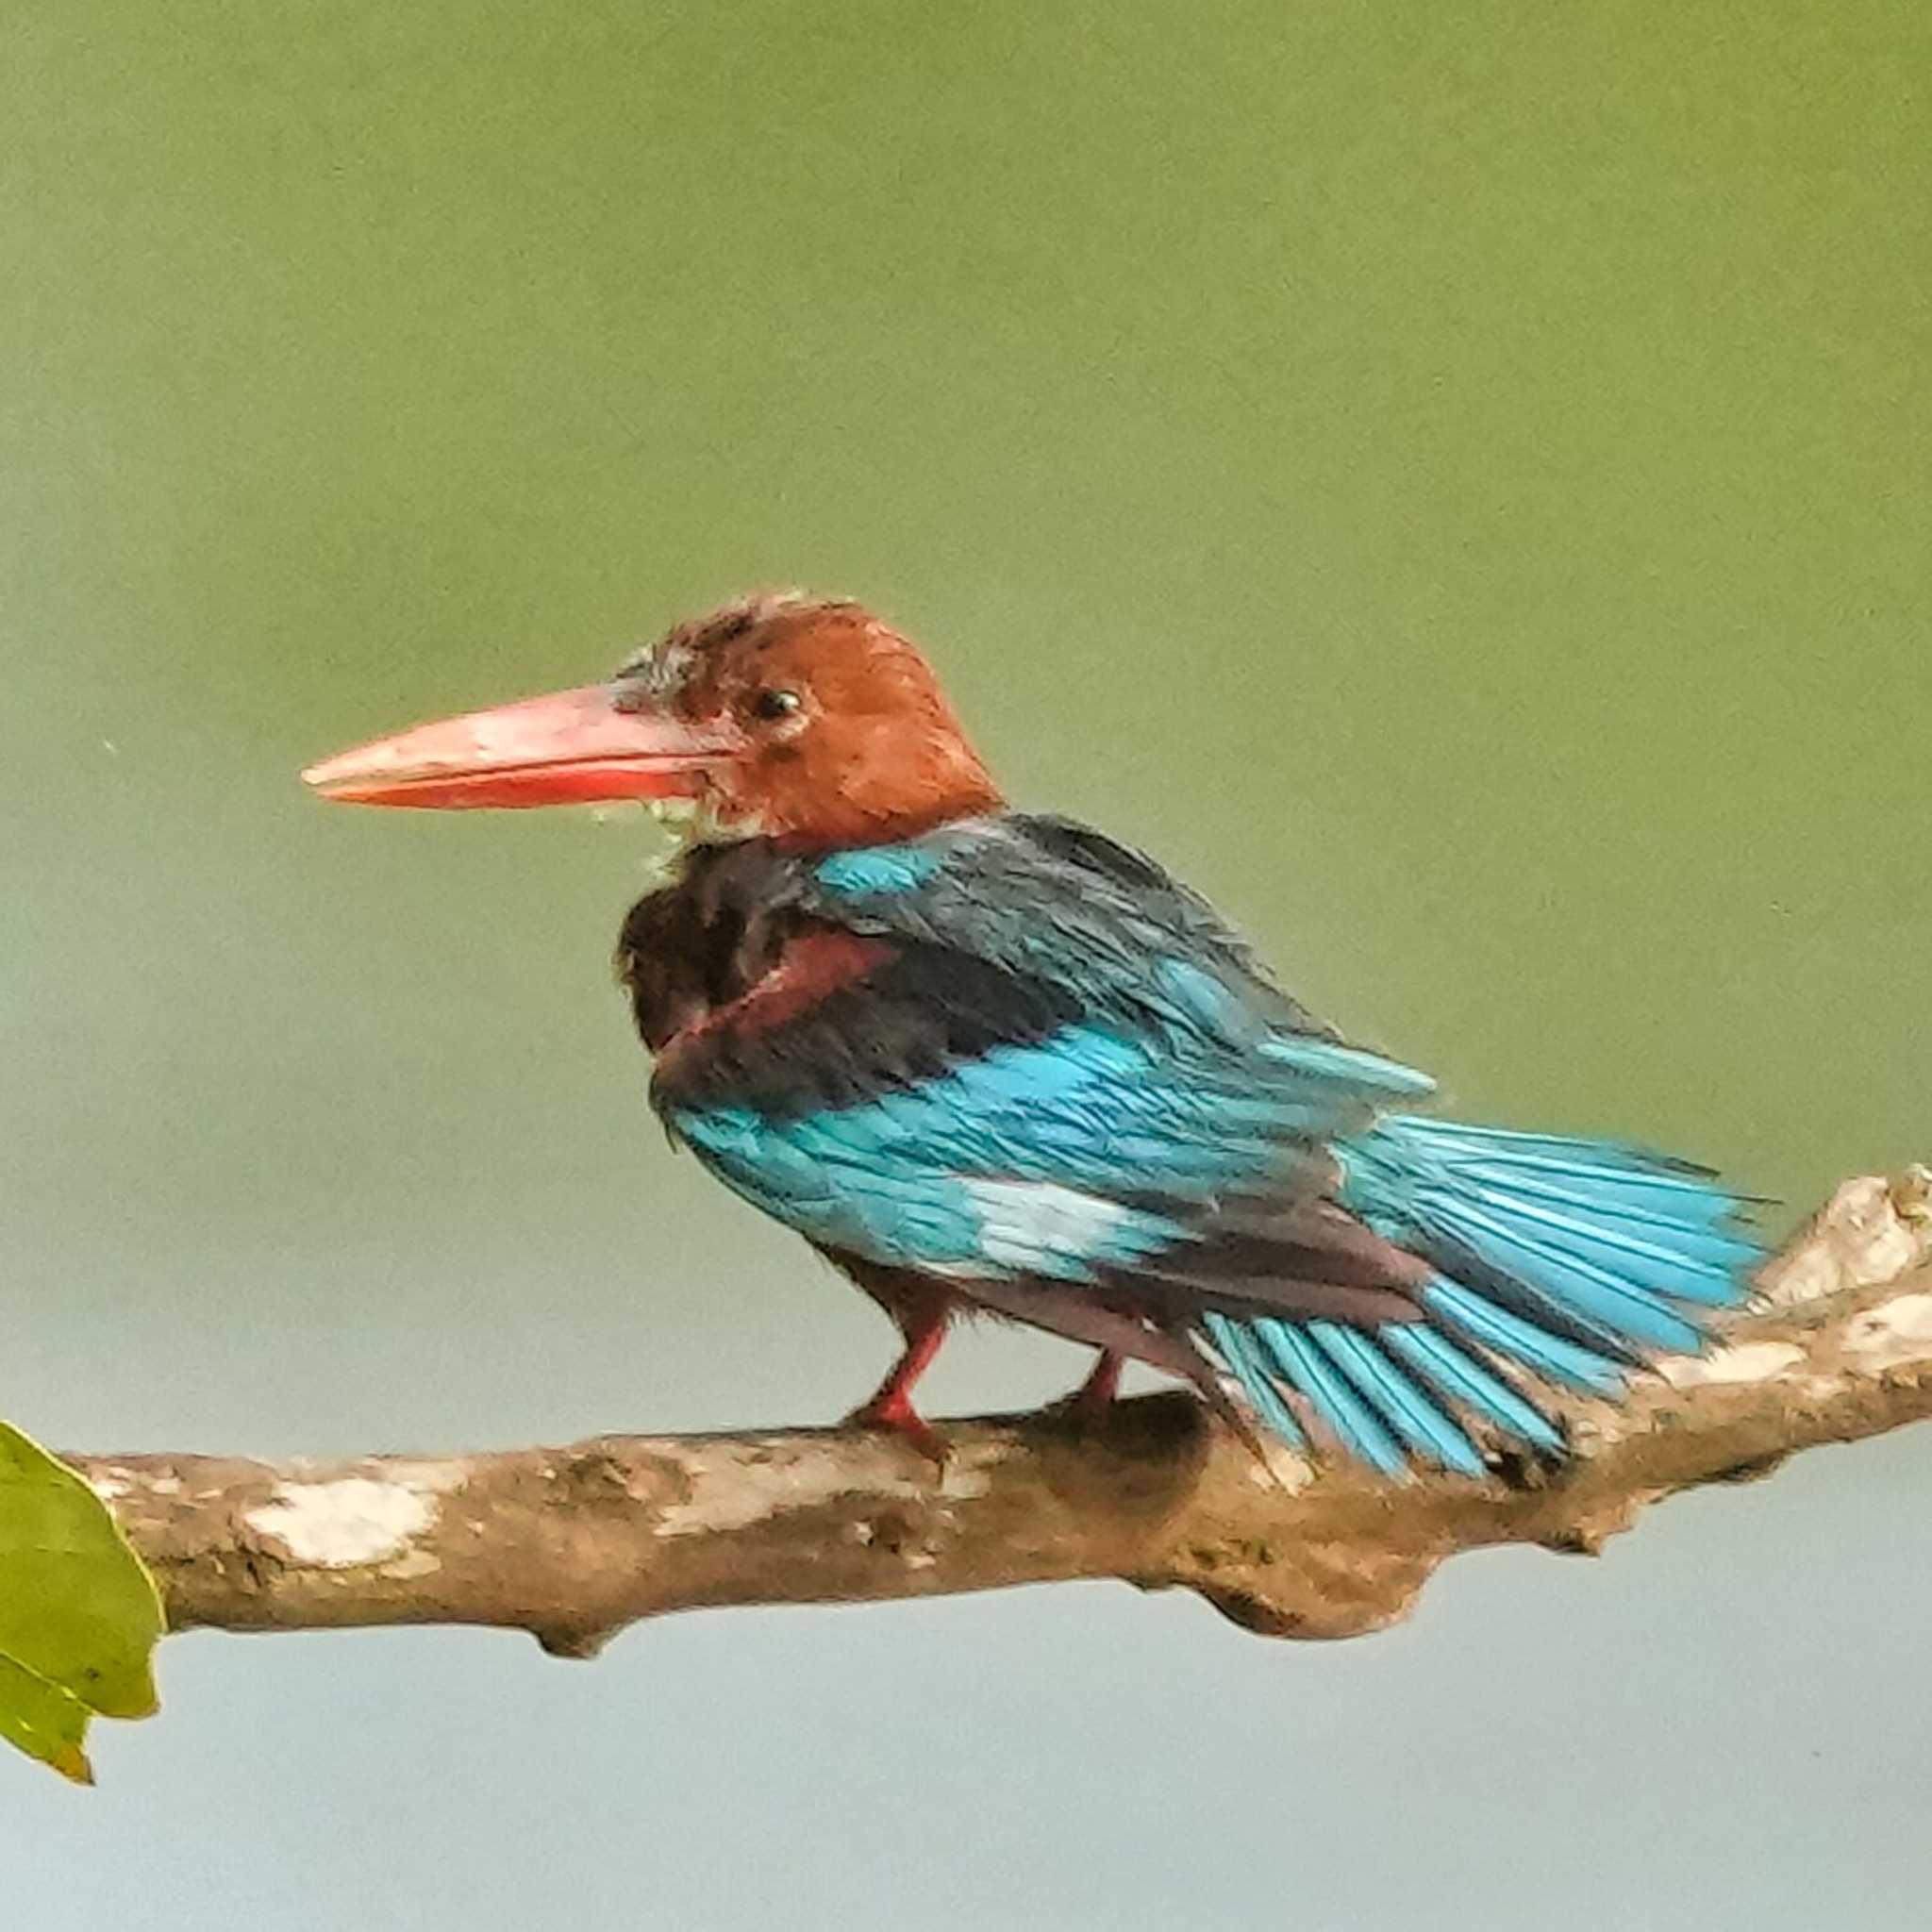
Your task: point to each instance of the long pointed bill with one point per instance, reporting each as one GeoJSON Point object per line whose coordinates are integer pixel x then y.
{"type": "Point", "coordinates": [574, 748]}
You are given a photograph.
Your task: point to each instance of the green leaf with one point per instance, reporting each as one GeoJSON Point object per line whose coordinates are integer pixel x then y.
{"type": "Point", "coordinates": [45, 1721]}
{"type": "Point", "coordinates": [79, 1615]}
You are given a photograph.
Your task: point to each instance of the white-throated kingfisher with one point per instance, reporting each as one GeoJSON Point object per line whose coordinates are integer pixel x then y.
{"type": "Point", "coordinates": [988, 1059]}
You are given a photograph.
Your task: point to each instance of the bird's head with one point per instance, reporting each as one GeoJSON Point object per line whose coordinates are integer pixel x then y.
{"type": "Point", "coordinates": [794, 718]}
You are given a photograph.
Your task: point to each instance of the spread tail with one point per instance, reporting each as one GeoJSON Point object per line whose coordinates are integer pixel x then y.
{"type": "Point", "coordinates": [1567, 1260]}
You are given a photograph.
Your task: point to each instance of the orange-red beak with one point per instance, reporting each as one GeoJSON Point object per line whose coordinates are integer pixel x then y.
{"type": "Point", "coordinates": [574, 748]}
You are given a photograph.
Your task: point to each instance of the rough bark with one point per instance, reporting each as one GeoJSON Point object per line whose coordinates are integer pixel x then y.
{"type": "Point", "coordinates": [574, 1543]}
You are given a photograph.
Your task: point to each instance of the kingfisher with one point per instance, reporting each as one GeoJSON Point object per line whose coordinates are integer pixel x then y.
{"type": "Point", "coordinates": [987, 1060]}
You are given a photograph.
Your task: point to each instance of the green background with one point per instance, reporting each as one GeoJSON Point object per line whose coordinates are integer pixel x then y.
{"type": "Point", "coordinates": [1450, 478]}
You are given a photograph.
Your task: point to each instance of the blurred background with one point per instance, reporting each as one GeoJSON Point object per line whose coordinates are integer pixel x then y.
{"type": "Point", "coordinates": [1449, 478]}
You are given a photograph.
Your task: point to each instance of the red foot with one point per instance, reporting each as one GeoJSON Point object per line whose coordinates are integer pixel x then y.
{"type": "Point", "coordinates": [892, 1407]}
{"type": "Point", "coordinates": [898, 1415]}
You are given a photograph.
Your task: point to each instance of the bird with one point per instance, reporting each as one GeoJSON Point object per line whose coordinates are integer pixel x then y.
{"type": "Point", "coordinates": [992, 1062]}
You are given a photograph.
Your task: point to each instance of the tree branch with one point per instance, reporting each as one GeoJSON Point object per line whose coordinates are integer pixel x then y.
{"type": "Point", "coordinates": [574, 1544]}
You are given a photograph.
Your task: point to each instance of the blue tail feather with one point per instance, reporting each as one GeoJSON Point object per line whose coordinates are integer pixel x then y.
{"type": "Point", "coordinates": [1576, 1287]}
{"type": "Point", "coordinates": [1575, 1153]}
{"type": "Point", "coordinates": [1463, 1378]}
{"type": "Point", "coordinates": [1407, 1408]}
{"type": "Point", "coordinates": [1652, 1251]}
{"type": "Point", "coordinates": [1581, 1257]}
{"type": "Point", "coordinates": [1609, 1238]}
{"type": "Point", "coordinates": [1304, 1367]}
{"type": "Point", "coordinates": [1243, 1354]}
{"type": "Point", "coordinates": [1512, 1340]}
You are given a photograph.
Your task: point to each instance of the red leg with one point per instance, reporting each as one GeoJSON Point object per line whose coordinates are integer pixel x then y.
{"type": "Point", "coordinates": [1091, 1400]}
{"type": "Point", "coordinates": [920, 1309]}
{"type": "Point", "coordinates": [891, 1406]}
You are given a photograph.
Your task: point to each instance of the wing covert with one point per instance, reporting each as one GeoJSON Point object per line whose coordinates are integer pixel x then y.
{"type": "Point", "coordinates": [1064, 1066]}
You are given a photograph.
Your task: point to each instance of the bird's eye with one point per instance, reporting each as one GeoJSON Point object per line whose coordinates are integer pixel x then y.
{"type": "Point", "coordinates": [775, 703]}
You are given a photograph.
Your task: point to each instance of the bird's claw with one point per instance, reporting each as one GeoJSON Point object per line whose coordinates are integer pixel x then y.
{"type": "Point", "coordinates": [895, 1415]}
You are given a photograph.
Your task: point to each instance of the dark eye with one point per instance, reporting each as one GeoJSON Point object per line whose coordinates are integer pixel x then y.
{"type": "Point", "coordinates": [775, 703]}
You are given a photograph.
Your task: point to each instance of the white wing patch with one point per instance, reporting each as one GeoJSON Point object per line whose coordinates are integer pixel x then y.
{"type": "Point", "coordinates": [1036, 1225]}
